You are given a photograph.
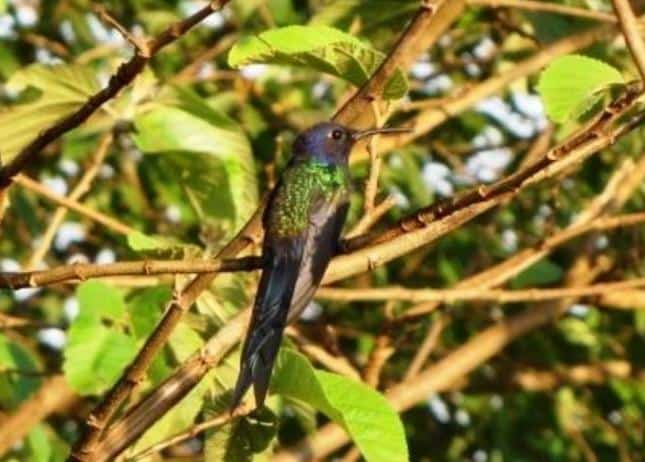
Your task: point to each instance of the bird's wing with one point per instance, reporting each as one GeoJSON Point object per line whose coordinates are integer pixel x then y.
{"type": "Point", "coordinates": [321, 245]}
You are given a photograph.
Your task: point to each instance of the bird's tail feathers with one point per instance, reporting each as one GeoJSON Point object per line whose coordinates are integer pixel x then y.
{"type": "Point", "coordinates": [266, 328]}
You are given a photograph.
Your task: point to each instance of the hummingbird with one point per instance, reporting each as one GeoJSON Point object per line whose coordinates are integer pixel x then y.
{"type": "Point", "coordinates": [303, 221]}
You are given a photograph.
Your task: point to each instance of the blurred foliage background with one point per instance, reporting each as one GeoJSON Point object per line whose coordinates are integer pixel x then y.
{"type": "Point", "coordinates": [182, 157]}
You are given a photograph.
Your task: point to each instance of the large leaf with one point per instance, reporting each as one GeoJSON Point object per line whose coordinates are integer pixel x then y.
{"type": "Point", "coordinates": [366, 415]}
{"type": "Point", "coordinates": [61, 90]}
{"type": "Point", "coordinates": [208, 156]}
{"type": "Point", "coordinates": [95, 356]}
{"type": "Point", "coordinates": [572, 84]}
{"type": "Point", "coordinates": [322, 48]}
{"type": "Point", "coordinates": [96, 352]}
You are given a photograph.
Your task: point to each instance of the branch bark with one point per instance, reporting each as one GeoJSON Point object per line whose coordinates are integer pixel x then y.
{"type": "Point", "coordinates": [82, 272]}
{"type": "Point", "coordinates": [494, 295]}
{"type": "Point", "coordinates": [546, 7]}
{"type": "Point", "coordinates": [72, 204]}
{"type": "Point", "coordinates": [629, 26]}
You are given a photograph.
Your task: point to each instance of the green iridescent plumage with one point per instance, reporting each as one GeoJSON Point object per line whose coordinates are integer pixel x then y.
{"type": "Point", "coordinates": [303, 184]}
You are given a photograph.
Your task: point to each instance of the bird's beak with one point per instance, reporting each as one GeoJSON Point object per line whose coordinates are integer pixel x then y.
{"type": "Point", "coordinates": [378, 131]}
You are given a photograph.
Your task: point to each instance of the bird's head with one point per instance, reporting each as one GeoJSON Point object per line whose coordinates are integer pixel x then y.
{"type": "Point", "coordinates": [331, 143]}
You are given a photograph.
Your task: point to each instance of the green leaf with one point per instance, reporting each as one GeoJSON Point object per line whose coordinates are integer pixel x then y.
{"type": "Point", "coordinates": [366, 415]}
{"type": "Point", "coordinates": [572, 84]}
{"type": "Point", "coordinates": [96, 353]}
{"type": "Point", "coordinates": [540, 273]}
{"type": "Point", "coordinates": [95, 356]}
{"type": "Point", "coordinates": [578, 332]}
{"type": "Point", "coordinates": [184, 341]}
{"type": "Point", "coordinates": [15, 388]}
{"type": "Point", "coordinates": [39, 446]}
{"type": "Point", "coordinates": [98, 300]}
{"type": "Point", "coordinates": [61, 90]}
{"type": "Point", "coordinates": [208, 156]}
{"type": "Point", "coordinates": [145, 309]}
{"type": "Point", "coordinates": [322, 48]}
{"type": "Point", "coordinates": [139, 241]}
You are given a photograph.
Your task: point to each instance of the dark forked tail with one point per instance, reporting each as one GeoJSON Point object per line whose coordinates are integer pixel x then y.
{"type": "Point", "coordinates": [267, 324]}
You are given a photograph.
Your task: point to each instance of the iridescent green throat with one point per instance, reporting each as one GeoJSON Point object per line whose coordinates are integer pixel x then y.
{"type": "Point", "coordinates": [302, 184]}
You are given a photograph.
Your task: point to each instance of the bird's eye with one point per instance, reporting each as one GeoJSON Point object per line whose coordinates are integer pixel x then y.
{"type": "Point", "coordinates": [337, 134]}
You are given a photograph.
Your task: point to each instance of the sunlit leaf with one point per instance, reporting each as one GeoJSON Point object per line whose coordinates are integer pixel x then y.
{"type": "Point", "coordinates": [61, 90]}
{"type": "Point", "coordinates": [570, 85]}
{"type": "Point", "coordinates": [366, 415]}
{"type": "Point", "coordinates": [97, 352]}
{"type": "Point", "coordinates": [321, 48]}
{"type": "Point", "coordinates": [211, 161]}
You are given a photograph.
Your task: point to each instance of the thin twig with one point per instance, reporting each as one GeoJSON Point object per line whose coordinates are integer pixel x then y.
{"type": "Point", "coordinates": [74, 205]}
{"type": "Point", "coordinates": [369, 219]}
{"type": "Point", "coordinates": [318, 354]}
{"type": "Point", "coordinates": [546, 7]}
{"type": "Point", "coordinates": [192, 432]}
{"type": "Point", "coordinates": [427, 346]}
{"type": "Point", "coordinates": [629, 26]}
{"type": "Point", "coordinates": [79, 190]}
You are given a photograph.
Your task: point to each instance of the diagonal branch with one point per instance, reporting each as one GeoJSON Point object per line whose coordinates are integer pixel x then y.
{"type": "Point", "coordinates": [633, 37]}
{"type": "Point", "coordinates": [72, 204]}
{"type": "Point", "coordinates": [124, 75]}
{"type": "Point", "coordinates": [79, 190]}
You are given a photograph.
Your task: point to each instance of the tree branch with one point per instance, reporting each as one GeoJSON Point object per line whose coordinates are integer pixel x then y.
{"type": "Point", "coordinates": [546, 7]}
{"type": "Point", "coordinates": [629, 26]}
{"type": "Point", "coordinates": [493, 295]}
{"type": "Point", "coordinates": [74, 205]}
{"type": "Point", "coordinates": [82, 272]}
{"type": "Point", "coordinates": [79, 190]}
